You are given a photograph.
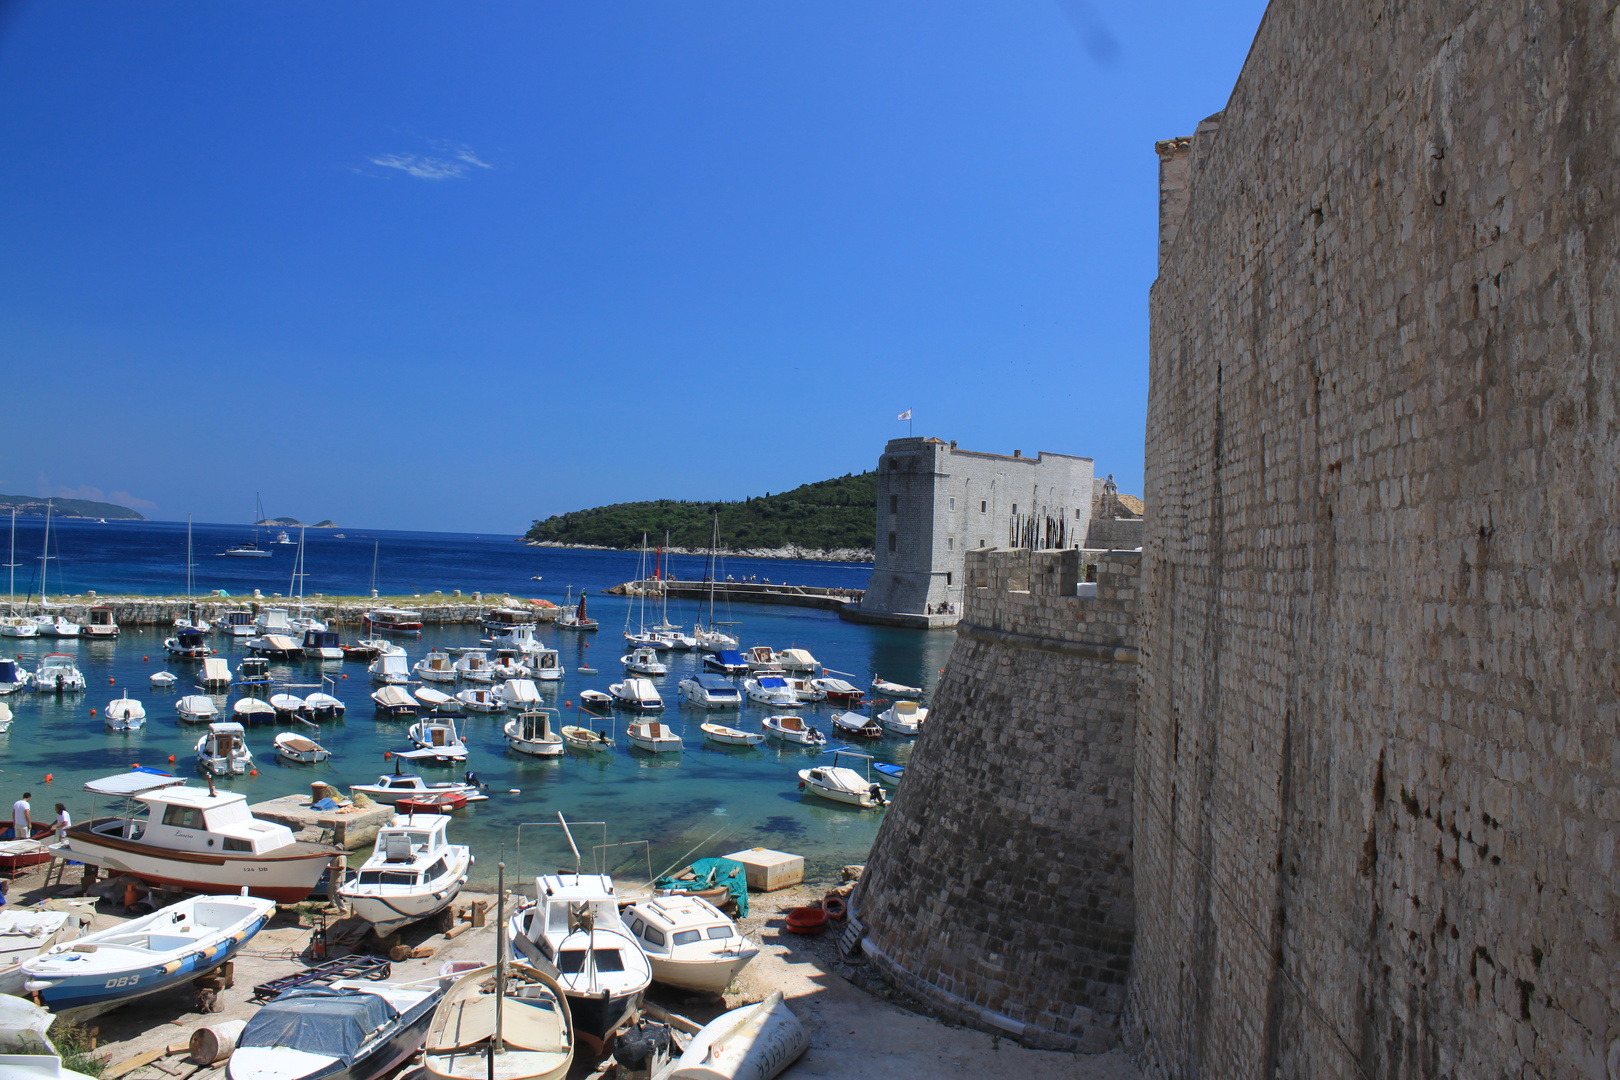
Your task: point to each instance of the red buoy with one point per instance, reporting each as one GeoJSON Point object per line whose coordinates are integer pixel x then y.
{"type": "Point", "coordinates": [92, 712]}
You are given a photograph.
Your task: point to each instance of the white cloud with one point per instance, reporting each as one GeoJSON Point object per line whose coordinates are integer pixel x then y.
{"type": "Point", "coordinates": [455, 162]}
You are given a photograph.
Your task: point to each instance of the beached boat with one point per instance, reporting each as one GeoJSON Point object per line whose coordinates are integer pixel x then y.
{"type": "Point", "coordinates": [895, 690]}
{"type": "Point", "coordinates": [187, 644]}
{"type": "Point", "coordinates": [535, 732]}
{"type": "Point", "coordinates": [856, 725]}
{"type": "Point", "coordinates": [481, 699]}
{"type": "Point", "coordinates": [753, 1042]}
{"type": "Point", "coordinates": [250, 710]}
{"type": "Point", "coordinates": [58, 674]}
{"type": "Point", "coordinates": [474, 666]}
{"type": "Point", "coordinates": [771, 690]}
{"type": "Point", "coordinates": [349, 1029]}
{"type": "Point", "coordinates": [574, 927]}
{"type": "Point", "coordinates": [27, 934]}
{"type": "Point", "coordinates": [393, 621]}
{"type": "Point", "coordinates": [436, 740]}
{"type": "Point", "coordinates": [530, 1037]}
{"type": "Point", "coordinates": [906, 717]}
{"type": "Point", "coordinates": [689, 942]}
{"type": "Point", "coordinates": [793, 729]}
{"type": "Point", "coordinates": [394, 701]}
{"type": "Point", "coordinates": [839, 690]}
{"type": "Point", "coordinates": [725, 662]}
{"type": "Point", "coordinates": [839, 783]}
{"type": "Point", "coordinates": [761, 658]}
{"type": "Point", "coordinates": [162, 680]}
{"type": "Point", "coordinates": [289, 707]}
{"type": "Point", "coordinates": [124, 714]}
{"type": "Point", "coordinates": [235, 623]}
{"type": "Point", "coordinates": [390, 669]}
{"type": "Point", "coordinates": [297, 748]}
{"type": "Point", "coordinates": [711, 692]}
{"type": "Point", "coordinates": [436, 666]}
{"type": "Point", "coordinates": [438, 702]}
{"type": "Point", "coordinates": [519, 694]}
{"type": "Point", "coordinates": [196, 840]}
{"type": "Point", "coordinates": [653, 737]}
{"type": "Point", "coordinates": [13, 676]}
{"type": "Point", "coordinates": [162, 951]}
{"type": "Point", "coordinates": [414, 872]}
{"type": "Point", "coordinates": [102, 624]}
{"type": "Point", "coordinates": [322, 706]}
{"type": "Point", "coordinates": [197, 709]}
{"type": "Point", "coordinates": [391, 787]}
{"type": "Point", "coordinates": [636, 694]}
{"type": "Point", "coordinates": [728, 736]}
{"type": "Point", "coordinates": [223, 751]}
{"type": "Point", "coordinates": [584, 738]}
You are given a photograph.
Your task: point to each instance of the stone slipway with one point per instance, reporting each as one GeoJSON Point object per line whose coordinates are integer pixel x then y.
{"type": "Point", "coordinates": [352, 829]}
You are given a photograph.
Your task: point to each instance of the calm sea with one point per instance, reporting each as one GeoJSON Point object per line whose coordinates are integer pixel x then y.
{"type": "Point", "coordinates": [707, 801]}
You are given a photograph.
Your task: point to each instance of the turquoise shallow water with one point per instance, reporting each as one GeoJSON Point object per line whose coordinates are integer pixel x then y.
{"type": "Point", "coordinates": [709, 800]}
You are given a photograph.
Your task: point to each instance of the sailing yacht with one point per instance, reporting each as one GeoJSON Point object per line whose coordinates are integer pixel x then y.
{"type": "Point", "coordinates": [302, 623]}
{"type": "Point", "coordinates": [48, 625]}
{"type": "Point", "coordinates": [253, 550]}
{"type": "Point", "coordinates": [642, 638]}
{"type": "Point", "coordinates": [14, 625]}
{"type": "Point", "coordinates": [669, 632]}
{"type": "Point", "coordinates": [709, 638]}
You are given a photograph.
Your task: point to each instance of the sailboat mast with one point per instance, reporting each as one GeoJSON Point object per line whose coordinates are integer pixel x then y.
{"type": "Point", "coordinates": [374, 544]}
{"type": "Point", "coordinates": [713, 543]}
{"type": "Point", "coordinates": [11, 591]}
{"type": "Point", "coordinates": [45, 556]}
{"type": "Point", "coordinates": [188, 565]}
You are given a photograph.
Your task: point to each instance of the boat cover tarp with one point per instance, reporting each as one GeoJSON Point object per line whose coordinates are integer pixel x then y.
{"type": "Point", "coordinates": [8, 671]}
{"type": "Point", "coordinates": [710, 873]}
{"type": "Point", "coordinates": [319, 1020]}
{"type": "Point", "coordinates": [132, 783]}
{"type": "Point", "coordinates": [730, 658]}
{"type": "Point", "coordinates": [715, 682]}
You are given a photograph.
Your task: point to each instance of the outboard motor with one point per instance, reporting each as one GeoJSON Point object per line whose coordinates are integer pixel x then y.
{"type": "Point", "coordinates": [643, 1048]}
{"type": "Point", "coordinates": [876, 792]}
{"type": "Point", "coordinates": [472, 779]}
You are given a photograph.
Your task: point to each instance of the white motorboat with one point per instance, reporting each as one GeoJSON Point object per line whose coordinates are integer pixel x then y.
{"type": "Point", "coordinates": [505, 618]}
{"type": "Point", "coordinates": [197, 709]}
{"type": "Point", "coordinates": [436, 667]}
{"type": "Point", "coordinates": [474, 666]}
{"type": "Point", "coordinates": [322, 706]}
{"type": "Point", "coordinates": [251, 710]}
{"type": "Point", "coordinates": [481, 699]}
{"type": "Point", "coordinates": [26, 934]}
{"type": "Point", "coordinates": [595, 699]}
{"type": "Point", "coordinates": [162, 680]}
{"type": "Point", "coordinates": [348, 1029]}
{"type": "Point", "coordinates": [276, 647]}
{"type": "Point", "coordinates": [530, 1037]}
{"type": "Point", "coordinates": [588, 739]}
{"type": "Point", "coordinates": [223, 751]}
{"type": "Point", "coordinates": [761, 658]}
{"type": "Point", "coordinates": [894, 689]}
{"type": "Point", "coordinates": [124, 714]}
{"type": "Point", "coordinates": [393, 620]}
{"type": "Point", "coordinates": [436, 740]}
{"type": "Point", "coordinates": [674, 639]}
{"type": "Point", "coordinates": [573, 616]}
{"type": "Point", "coordinates": [711, 692]}
{"type": "Point", "coordinates": [13, 676]}
{"type": "Point", "coordinates": [391, 787]}
{"type": "Point", "coordinates": [322, 644]}
{"type": "Point", "coordinates": [283, 538]}
{"type": "Point", "coordinates": [838, 690]}
{"type": "Point", "coordinates": [184, 838]}
{"type": "Point", "coordinates": [437, 701]}
{"type": "Point", "coordinates": [273, 620]}
{"type": "Point", "coordinates": [162, 951]}
{"type": "Point", "coordinates": [771, 690]}
{"type": "Point", "coordinates": [235, 623]}
{"type": "Point", "coordinates": [58, 674]}
{"type": "Point", "coordinates": [689, 943]}
{"type": "Point", "coordinates": [793, 729]}
{"type": "Point", "coordinates": [906, 717]}
{"type": "Point", "coordinates": [508, 664]}
{"type": "Point", "coordinates": [295, 747]}
{"type": "Point", "coordinates": [753, 1041]}
{"type": "Point", "coordinates": [57, 626]}
{"type": "Point", "coordinates": [653, 737]}
{"type": "Point", "coordinates": [394, 701]}
{"type": "Point", "coordinates": [710, 640]}
{"type": "Point", "coordinates": [645, 640]}
{"type": "Point", "coordinates": [289, 707]}
{"type": "Point", "coordinates": [856, 725]}
{"type": "Point", "coordinates": [574, 927]}
{"type": "Point", "coordinates": [725, 662]}
{"type": "Point", "coordinates": [253, 671]}
{"type": "Point", "coordinates": [803, 690]}
{"type": "Point", "coordinates": [729, 736]}
{"type": "Point", "coordinates": [215, 673]}
{"type": "Point", "coordinates": [545, 664]}
{"type": "Point", "coordinates": [5, 718]}
{"type": "Point", "coordinates": [103, 624]}
{"type": "Point", "coordinates": [390, 669]}
{"type": "Point", "coordinates": [635, 694]}
{"type": "Point", "coordinates": [187, 644]}
{"type": "Point", "coordinates": [797, 660]}
{"type": "Point", "coordinates": [414, 873]}
{"type": "Point", "coordinates": [519, 694]}
{"type": "Point", "coordinates": [535, 732]}
{"type": "Point", "coordinates": [839, 783]}
{"type": "Point", "coordinates": [18, 626]}
{"type": "Point", "coordinates": [644, 661]}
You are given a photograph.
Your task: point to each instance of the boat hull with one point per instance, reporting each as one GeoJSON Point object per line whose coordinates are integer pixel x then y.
{"type": "Point", "coordinates": [594, 1015]}
{"type": "Point", "coordinates": [286, 879]}
{"type": "Point", "coordinates": [380, 1060]}
{"type": "Point", "coordinates": [710, 977]}
{"type": "Point", "coordinates": [389, 913]}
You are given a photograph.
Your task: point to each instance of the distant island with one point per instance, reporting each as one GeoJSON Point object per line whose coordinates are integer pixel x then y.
{"type": "Point", "coordinates": [294, 523]}
{"type": "Point", "coordinates": [34, 506]}
{"type": "Point", "coordinates": [829, 519]}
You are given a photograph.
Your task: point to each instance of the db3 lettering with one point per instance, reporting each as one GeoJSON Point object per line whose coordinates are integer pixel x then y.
{"type": "Point", "coordinates": [122, 980]}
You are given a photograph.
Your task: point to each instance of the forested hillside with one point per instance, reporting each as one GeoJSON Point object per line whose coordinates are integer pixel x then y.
{"type": "Point", "coordinates": [839, 513]}
{"type": "Point", "coordinates": [34, 506]}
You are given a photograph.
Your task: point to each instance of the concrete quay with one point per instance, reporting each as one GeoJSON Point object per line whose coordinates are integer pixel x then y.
{"type": "Point", "coordinates": [745, 592]}
{"type": "Point", "coordinates": [437, 609]}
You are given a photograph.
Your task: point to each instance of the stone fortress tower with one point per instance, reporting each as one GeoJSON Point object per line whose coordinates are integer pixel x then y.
{"type": "Point", "coordinates": [936, 502]}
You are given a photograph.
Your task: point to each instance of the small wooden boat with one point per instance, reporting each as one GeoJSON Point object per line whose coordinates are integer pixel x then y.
{"type": "Point", "coordinates": [297, 748]}
{"type": "Point", "coordinates": [653, 737]}
{"type": "Point", "coordinates": [894, 689]}
{"type": "Point", "coordinates": [393, 701]}
{"type": "Point", "coordinates": [857, 725]}
{"type": "Point", "coordinates": [161, 951]}
{"type": "Point", "coordinates": [390, 788]}
{"type": "Point", "coordinates": [755, 1042]}
{"type": "Point", "coordinates": [197, 709]}
{"type": "Point", "coordinates": [124, 714]}
{"type": "Point", "coordinates": [288, 707]}
{"type": "Point", "coordinates": [162, 680]}
{"type": "Point", "coordinates": [481, 699]}
{"type": "Point", "coordinates": [250, 710]}
{"type": "Point", "coordinates": [793, 729]}
{"type": "Point", "coordinates": [905, 717]}
{"type": "Point", "coordinates": [26, 934]}
{"type": "Point", "coordinates": [442, 802]}
{"type": "Point", "coordinates": [533, 1039]}
{"type": "Point", "coordinates": [223, 752]}
{"type": "Point", "coordinates": [533, 733]}
{"type": "Point", "coordinates": [729, 736]}
{"type": "Point", "coordinates": [323, 707]}
{"type": "Point", "coordinates": [584, 738]}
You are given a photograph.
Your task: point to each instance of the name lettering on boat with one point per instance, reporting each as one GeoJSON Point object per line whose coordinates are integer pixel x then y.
{"type": "Point", "coordinates": [122, 980]}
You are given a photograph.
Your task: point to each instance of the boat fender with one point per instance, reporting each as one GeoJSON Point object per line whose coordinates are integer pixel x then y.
{"type": "Point", "coordinates": [801, 785]}
{"type": "Point", "coordinates": [834, 907]}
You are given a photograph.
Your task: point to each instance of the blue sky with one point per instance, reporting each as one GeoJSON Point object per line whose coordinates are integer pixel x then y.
{"type": "Point", "coordinates": [458, 266]}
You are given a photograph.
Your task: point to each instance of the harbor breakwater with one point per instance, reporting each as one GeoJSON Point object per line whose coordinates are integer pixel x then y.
{"type": "Point", "coordinates": [787, 552]}
{"type": "Point", "coordinates": [745, 591]}
{"type": "Point", "coordinates": [162, 611]}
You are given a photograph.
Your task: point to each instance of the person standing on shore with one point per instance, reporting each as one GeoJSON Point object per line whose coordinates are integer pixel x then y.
{"type": "Point", "coordinates": [62, 824]}
{"type": "Point", "coordinates": [22, 820]}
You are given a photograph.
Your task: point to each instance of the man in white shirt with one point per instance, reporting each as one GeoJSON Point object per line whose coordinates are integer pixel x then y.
{"type": "Point", "coordinates": [22, 820]}
{"type": "Point", "coordinates": [63, 823]}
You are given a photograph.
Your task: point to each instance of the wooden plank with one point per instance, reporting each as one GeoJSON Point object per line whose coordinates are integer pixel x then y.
{"type": "Point", "coordinates": [182, 1047]}
{"type": "Point", "coordinates": [457, 930]}
{"type": "Point", "coordinates": [113, 1072]}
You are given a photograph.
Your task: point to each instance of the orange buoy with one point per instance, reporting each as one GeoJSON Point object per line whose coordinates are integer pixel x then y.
{"type": "Point", "coordinates": [144, 659]}
{"type": "Point", "coordinates": [47, 778]}
{"type": "Point", "coordinates": [171, 759]}
{"type": "Point", "coordinates": [136, 765]}
{"type": "Point", "coordinates": [253, 772]}
{"type": "Point", "coordinates": [109, 681]}
{"type": "Point", "coordinates": [345, 676]}
{"type": "Point", "coordinates": [386, 755]}
{"type": "Point", "coordinates": [92, 712]}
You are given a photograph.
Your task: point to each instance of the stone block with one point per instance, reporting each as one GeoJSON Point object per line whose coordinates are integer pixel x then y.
{"type": "Point", "coordinates": [768, 870]}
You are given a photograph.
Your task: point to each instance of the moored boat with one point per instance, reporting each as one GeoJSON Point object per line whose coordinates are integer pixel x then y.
{"type": "Point", "coordinates": [838, 783]}
{"type": "Point", "coordinates": [102, 624]}
{"type": "Point", "coordinates": [838, 690]}
{"type": "Point", "coordinates": [894, 689]}
{"type": "Point", "coordinates": [124, 714]}
{"type": "Point", "coordinates": [197, 709]}
{"type": "Point", "coordinates": [58, 674]}
{"type": "Point", "coordinates": [519, 694]}
{"type": "Point", "coordinates": [276, 646]}
{"type": "Point", "coordinates": [394, 701]}
{"type": "Point", "coordinates": [535, 732]}
{"type": "Point", "coordinates": [481, 699]}
{"type": "Point", "coordinates": [725, 662]}
{"type": "Point", "coordinates": [436, 666]}
{"type": "Point", "coordinates": [771, 690]}
{"type": "Point", "coordinates": [289, 707]}
{"type": "Point", "coordinates": [797, 660]}
{"type": "Point", "coordinates": [390, 669]}
{"type": "Point", "coordinates": [216, 673]}
{"type": "Point", "coordinates": [393, 621]}
{"type": "Point", "coordinates": [323, 706]}
{"type": "Point", "coordinates": [437, 701]}
{"type": "Point", "coordinates": [644, 661]}
{"type": "Point", "coordinates": [857, 725]}
{"type": "Point", "coordinates": [436, 740]}
{"type": "Point", "coordinates": [761, 658]}
{"type": "Point", "coordinates": [711, 692]}
{"type": "Point", "coordinates": [474, 666]}
{"type": "Point", "coordinates": [793, 729]}
{"type": "Point", "coordinates": [574, 617]}
{"type": "Point", "coordinates": [187, 644]}
{"type": "Point", "coordinates": [391, 787]}
{"type": "Point", "coordinates": [162, 680]}
{"type": "Point", "coordinates": [584, 738]}
{"type": "Point", "coordinates": [906, 717]}
{"type": "Point", "coordinates": [293, 747]}
{"type": "Point", "coordinates": [728, 736]}
{"type": "Point", "coordinates": [13, 676]}
{"type": "Point", "coordinates": [636, 694]}
{"type": "Point", "coordinates": [595, 699]}
{"type": "Point", "coordinates": [653, 737]}
{"type": "Point", "coordinates": [223, 751]}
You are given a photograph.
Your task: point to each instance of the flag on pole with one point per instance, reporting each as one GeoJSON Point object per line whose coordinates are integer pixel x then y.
{"type": "Point", "coordinates": [905, 415]}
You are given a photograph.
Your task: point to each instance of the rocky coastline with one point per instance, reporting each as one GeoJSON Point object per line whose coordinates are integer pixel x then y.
{"type": "Point", "coordinates": [790, 551]}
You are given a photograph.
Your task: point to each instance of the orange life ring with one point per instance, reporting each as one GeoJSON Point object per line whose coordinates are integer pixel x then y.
{"type": "Point", "coordinates": [835, 908]}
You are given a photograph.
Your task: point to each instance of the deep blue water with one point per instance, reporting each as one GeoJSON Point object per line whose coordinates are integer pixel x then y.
{"type": "Point", "coordinates": [711, 799]}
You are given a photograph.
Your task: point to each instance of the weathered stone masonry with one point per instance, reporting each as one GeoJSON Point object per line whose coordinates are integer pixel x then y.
{"type": "Point", "coordinates": [999, 888]}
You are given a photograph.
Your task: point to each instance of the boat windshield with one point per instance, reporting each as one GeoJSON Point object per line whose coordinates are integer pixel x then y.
{"type": "Point", "coordinates": [572, 961]}
{"type": "Point", "coordinates": [319, 1020]}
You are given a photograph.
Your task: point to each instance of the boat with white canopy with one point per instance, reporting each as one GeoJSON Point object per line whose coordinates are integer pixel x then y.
{"type": "Point", "coordinates": [838, 783]}
{"type": "Point", "coordinates": [394, 701]}
{"type": "Point", "coordinates": [519, 694]}
{"type": "Point", "coordinates": [414, 872]}
{"type": "Point", "coordinates": [535, 732]}
{"type": "Point", "coordinates": [252, 710]}
{"type": "Point", "coordinates": [58, 674]}
{"type": "Point", "coordinates": [435, 740]}
{"type": "Point", "coordinates": [436, 667]}
{"type": "Point", "coordinates": [654, 737]}
{"type": "Point", "coordinates": [390, 669]}
{"type": "Point", "coordinates": [636, 694]}
{"type": "Point", "coordinates": [124, 714]}
{"type": "Point", "coordinates": [905, 717]}
{"type": "Point", "coordinates": [793, 729]}
{"type": "Point", "coordinates": [197, 709]}
{"type": "Point", "coordinates": [711, 692]}
{"type": "Point", "coordinates": [223, 751]}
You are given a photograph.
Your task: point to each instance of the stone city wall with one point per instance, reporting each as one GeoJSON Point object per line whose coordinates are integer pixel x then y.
{"type": "Point", "coordinates": [1376, 794]}
{"type": "Point", "coordinates": [999, 888]}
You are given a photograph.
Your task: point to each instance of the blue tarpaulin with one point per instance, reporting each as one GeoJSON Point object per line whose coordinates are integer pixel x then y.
{"type": "Point", "coordinates": [319, 1020]}
{"type": "Point", "coordinates": [712, 873]}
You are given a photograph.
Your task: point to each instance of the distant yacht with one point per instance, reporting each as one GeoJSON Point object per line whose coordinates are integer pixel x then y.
{"type": "Point", "coordinates": [250, 550]}
{"type": "Point", "coordinates": [283, 538]}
